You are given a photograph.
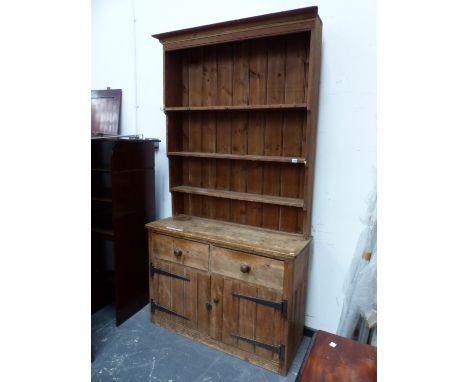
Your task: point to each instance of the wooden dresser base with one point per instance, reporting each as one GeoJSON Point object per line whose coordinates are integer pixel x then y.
{"type": "Point", "coordinates": [204, 286]}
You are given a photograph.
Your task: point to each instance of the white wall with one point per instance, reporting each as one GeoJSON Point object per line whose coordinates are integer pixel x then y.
{"type": "Point", "coordinates": [124, 55]}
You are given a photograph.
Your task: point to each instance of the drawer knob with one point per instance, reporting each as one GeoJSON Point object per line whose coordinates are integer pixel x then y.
{"type": "Point", "coordinates": [178, 252]}
{"type": "Point", "coordinates": [244, 268]}
{"type": "Point", "coordinates": [216, 300]}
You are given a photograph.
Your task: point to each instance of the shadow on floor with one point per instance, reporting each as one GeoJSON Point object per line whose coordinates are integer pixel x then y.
{"type": "Point", "coordinates": [138, 350]}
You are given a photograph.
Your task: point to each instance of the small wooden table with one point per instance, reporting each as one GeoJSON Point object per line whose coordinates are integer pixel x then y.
{"type": "Point", "coordinates": [337, 359]}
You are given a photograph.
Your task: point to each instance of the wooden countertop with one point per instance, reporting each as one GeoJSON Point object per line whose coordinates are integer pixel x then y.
{"type": "Point", "coordinates": [264, 242]}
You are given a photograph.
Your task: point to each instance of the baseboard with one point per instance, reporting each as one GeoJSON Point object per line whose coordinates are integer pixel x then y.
{"type": "Point", "coordinates": [309, 332]}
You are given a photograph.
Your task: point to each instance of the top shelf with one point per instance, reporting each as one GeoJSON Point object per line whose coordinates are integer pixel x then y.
{"type": "Point", "coordinates": [296, 106]}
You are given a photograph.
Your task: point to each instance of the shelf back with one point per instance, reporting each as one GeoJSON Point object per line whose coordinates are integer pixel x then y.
{"type": "Point", "coordinates": [236, 107]}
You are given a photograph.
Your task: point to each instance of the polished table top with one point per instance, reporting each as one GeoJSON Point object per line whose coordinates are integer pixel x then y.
{"type": "Point", "coordinates": [337, 359]}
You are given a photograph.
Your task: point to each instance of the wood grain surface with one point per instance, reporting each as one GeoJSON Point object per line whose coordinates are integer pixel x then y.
{"type": "Point", "coordinates": [348, 361]}
{"type": "Point", "coordinates": [241, 106]}
{"type": "Point", "coordinates": [241, 101]}
{"type": "Point", "coordinates": [258, 241]}
{"type": "Point", "coordinates": [263, 271]}
{"type": "Point", "coordinates": [192, 254]}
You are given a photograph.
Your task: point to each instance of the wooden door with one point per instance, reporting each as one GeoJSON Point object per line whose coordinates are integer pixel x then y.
{"type": "Point", "coordinates": [180, 295]}
{"type": "Point", "coordinates": [248, 317]}
{"type": "Point", "coordinates": [105, 112]}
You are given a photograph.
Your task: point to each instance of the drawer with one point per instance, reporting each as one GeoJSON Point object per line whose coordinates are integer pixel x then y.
{"type": "Point", "coordinates": [250, 268]}
{"type": "Point", "coordinates": [180, 251]}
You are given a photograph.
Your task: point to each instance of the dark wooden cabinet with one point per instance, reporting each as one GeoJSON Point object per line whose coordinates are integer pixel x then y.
{"type": "Point", "coordinates": [229, 268]}
{"type": "Point", "coordinates": [122, 202]}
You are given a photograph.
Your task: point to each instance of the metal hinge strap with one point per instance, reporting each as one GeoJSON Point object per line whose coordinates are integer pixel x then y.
{"type": "Point", "coordinates": [275, 349]}
{"type": "Point", "coordinates": [155, 307]}
{"type": "Point", "coordinates": [282, 306]}
{"type": "Point", "coordinates": [165, 273]}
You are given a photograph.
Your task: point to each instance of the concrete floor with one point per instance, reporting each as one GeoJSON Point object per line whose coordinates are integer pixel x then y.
{"type": "Point", "coordinates": [141, 351]}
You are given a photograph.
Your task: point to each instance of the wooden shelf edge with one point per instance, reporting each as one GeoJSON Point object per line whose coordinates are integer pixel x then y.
{"type": "Point", "coordinates": [267, 199]}
{"type": "Point", "coordinates": [296, 106]}
{"type": "Point", "coordinates": [262, 158]}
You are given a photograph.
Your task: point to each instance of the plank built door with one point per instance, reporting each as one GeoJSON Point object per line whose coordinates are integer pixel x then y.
{"type": "Point", "coordinates": [180, 295]}
{"type": "Point", "coordinates": [248, 317]}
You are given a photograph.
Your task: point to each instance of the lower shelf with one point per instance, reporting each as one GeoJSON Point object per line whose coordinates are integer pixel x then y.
{"type": "Point", "coordinates": [259, 198]}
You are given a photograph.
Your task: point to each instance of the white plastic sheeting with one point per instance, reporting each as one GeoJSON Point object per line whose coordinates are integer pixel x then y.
{"type": "Point", "coordinates": [360, 286]}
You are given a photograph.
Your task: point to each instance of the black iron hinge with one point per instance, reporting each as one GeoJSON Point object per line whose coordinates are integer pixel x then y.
{"type": "Point", "coordinates": [155, 307]}
{"type": "Point", "coordinates": [154, 270]}
{"type": "Point", "coordinates": [282, 306]}
{"type": "Point", "coordinates": [275, 349]}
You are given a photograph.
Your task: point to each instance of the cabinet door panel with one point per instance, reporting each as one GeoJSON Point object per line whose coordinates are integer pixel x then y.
{"type": "Point", "coordinates": [221, 308]}
{"type": "Point", "coordinates": [245, 318]}
{"type": "Point", "coordinates": [268, 321]}
{"type": "Point", "coordinates": [230, 312]}
{"type": "Point", "coordinates": [203, 299]}
{"type": "Point", "coordinates": [191, 299]}
{"type": "Point", "coordinates": [216, 319]}
{"type": "Point", "coordinates": [187, 299]}
{"type": "Point", "coordinates": [177, 293]}
{"type": "Point", "coordinates": [164, 292]}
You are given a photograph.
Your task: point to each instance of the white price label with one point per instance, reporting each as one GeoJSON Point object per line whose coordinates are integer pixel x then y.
{"type": "Point", "coordinates": [174, 229]}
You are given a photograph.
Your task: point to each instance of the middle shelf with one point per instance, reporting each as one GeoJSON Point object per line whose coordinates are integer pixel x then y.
{"type": "Point", "coordinates": [264, 158]}
{"type": "Point", "coordinates": [259, 198]}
